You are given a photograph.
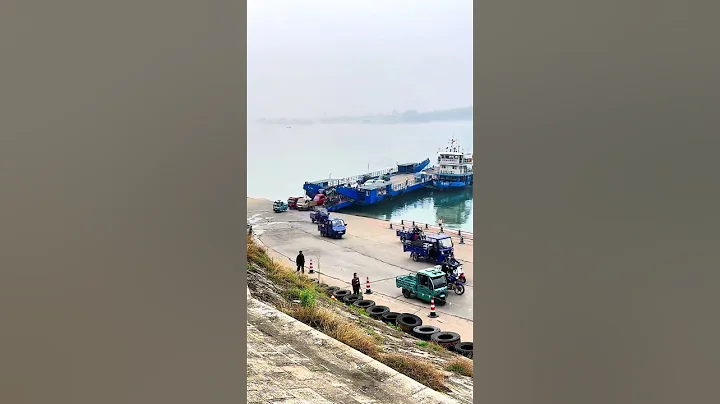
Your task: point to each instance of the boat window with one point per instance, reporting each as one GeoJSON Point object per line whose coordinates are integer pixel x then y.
{"type": "Point", "coordinates": [445, 242]}
{"type": "Point", "coordinates": [423, 280]}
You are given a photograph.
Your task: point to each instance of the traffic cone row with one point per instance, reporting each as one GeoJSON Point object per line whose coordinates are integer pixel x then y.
{"type": "Point", "coordinates": [311, 271]}
{"type": "Point", "coordinates": [367, 287]}
{"type": "Point", "coordinates": [433, 314]}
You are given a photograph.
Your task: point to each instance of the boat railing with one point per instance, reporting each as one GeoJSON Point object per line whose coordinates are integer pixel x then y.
{"type": "Point", "coordinates": [355, 178]}
{"type": "Point", "coordinates": [412, 181]}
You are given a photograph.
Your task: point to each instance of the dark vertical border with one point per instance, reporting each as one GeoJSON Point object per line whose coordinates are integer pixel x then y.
{"type": "Point", "coordinates": [122, 186]}
{"type": "Point", "coordinates": [597, 214]}
{"type": "Point", "coordinates": [242, 182]}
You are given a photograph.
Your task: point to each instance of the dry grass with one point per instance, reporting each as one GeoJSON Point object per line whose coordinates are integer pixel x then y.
{"type": "Point", "coordinates": [432, 347]}
{"type": "Point", "coordinates": [417, 369]}
{"type": "Point", "coordinates": [334, 326]}
{"type": "Point", "coordinates": [460, 366]}
{"type": "Point", "coordinates": [280, 273]}
{"type": "Point", "coordinates": [331, 324]}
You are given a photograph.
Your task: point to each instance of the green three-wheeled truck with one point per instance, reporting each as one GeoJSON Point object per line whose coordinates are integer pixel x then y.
{"type": "Point", "coordinates": [425, 285]}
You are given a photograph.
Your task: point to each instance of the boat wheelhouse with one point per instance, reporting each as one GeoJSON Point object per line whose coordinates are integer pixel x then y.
{"type": "Point", "coordinates": [454, 167]}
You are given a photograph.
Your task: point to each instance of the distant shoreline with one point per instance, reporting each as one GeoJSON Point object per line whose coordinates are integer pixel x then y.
{"type": "Point", "coordinates": [407, 117]}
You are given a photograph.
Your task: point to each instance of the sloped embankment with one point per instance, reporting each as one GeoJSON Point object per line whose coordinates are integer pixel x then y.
{"type": "Point", "coordinates": [306, 300]}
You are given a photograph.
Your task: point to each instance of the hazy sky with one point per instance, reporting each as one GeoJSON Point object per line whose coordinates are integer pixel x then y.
{"type": "Point", "coordinates": [315, 57]}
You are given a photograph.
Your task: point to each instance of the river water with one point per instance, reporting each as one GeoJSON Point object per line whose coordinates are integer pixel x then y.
{"type": "Point", "coordinates": [281, 159]}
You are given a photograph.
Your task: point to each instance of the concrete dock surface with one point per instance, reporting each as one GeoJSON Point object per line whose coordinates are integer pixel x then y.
{"type": "Point", "coordinates": [369, 248]}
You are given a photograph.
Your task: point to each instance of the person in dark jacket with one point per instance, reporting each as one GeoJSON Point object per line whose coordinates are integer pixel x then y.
{"type": "Point", "coordinates": [356, 284]}
{"type": "Point", "coordinates": [300, 262]}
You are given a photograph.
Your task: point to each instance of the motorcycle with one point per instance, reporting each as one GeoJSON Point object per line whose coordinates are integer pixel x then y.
{"type": "Point", "coordinates": [454, 267]}
{"type": "Point", "coordinates": [455, 285]}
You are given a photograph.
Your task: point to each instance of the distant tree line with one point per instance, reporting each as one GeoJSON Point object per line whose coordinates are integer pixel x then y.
{"type": "Point", "coordinates": [409, 116]}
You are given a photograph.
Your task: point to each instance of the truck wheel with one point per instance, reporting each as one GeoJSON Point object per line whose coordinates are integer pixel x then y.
{"type": "Point", "coordinates": [459, 289]}
{"type": "Point", "coordinates": [406, 293]}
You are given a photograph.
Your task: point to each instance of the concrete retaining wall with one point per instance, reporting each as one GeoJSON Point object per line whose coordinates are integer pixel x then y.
{"type": "Point", "coordinates": [330, 349]}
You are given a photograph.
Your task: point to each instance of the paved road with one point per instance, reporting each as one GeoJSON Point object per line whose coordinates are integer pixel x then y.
{"type": "Point", "coordinates": [380, 258]}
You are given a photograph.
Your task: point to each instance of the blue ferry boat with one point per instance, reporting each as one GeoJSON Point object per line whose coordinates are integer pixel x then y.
{"type": "Point", "coordinates": [454, 168]}
{"type": "Point", "coordinates": [370, 188]}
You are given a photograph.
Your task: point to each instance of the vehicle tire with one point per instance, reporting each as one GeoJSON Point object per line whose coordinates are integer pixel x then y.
{"type": "Point", "coordinates": [465, 349]}
{"type": "Point", "coordinates": [407, 322]}
{"type": "Point", "coordinates": [331, 289]}
{"type": "Point", "coordinates": [459, 289]}
{"type": "Point", "coordinates": [363, 304]}
{"type": "Point", "coordinates": [440, 302]}
{"type": "Point", "coordinates": [341, 293]}
{"type": "Point", "coordinates": [463, 281]}
{"type": "Point", "coordinates": [389, 318]}
{"type": "Point", "coordinates": [446, 339]}
{"type": "Point", "coordinates": [377, 311]}
{"type": "Point", "coordinates": [406, 293]}
{"type": "Point", "coordinates": [350, 299]}
{"type": "Point", "coordinates": [415, 257]}
{"type": "Point", "coordinates": [424, 331]}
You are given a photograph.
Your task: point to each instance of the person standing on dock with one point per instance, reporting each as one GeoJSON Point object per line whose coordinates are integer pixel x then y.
{"type": "Point", "coordinates": [356, 284]}
{"type": "Point", "coordinates": [300, 262]}
{"type": "Point", "coordinates": [440, 222]}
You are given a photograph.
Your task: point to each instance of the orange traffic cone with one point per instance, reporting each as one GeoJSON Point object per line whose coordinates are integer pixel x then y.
{"type": "Point", "coordinates": [333, 297]}
{"type": "Point", "coordinates": [367, 287]}
{"type": "Point", "coordinates": [433, 314]}
{"type": "Point", "coordinates": [311, 271]}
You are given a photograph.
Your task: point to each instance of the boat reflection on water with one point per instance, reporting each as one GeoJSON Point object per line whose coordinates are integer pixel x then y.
{"type": "Point", "coordinates": [455, 207]}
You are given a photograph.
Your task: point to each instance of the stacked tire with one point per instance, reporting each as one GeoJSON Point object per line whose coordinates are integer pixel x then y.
{"type": "Point", "coordinates": [424, 332]}
{"type": "Point", "coordinates": [376, 312]}
{"type": "Point", "coordinates": [465, 349]}
{"type": "Point", "coordinates": [446, 339]}
{"type": "Point", "coordinates": [407, 322]}
{"type": "Point", "coordinates": [350, 299]}
{"type": "Point", "coordinates": [364, 304]}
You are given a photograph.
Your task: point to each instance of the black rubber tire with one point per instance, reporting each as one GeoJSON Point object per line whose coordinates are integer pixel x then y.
{"type": "Point", "coordinates": [459, 289]}
{"type": "Point", "coordinates": [350, 299]}
{"type": "Point", "coordinates": [389, 317]}
{"type": "Point", "coordinates": [406, 293]}
{"type": "Point", "coordinates": [377, 311]}
{"type": "Point", "coordinates": [424, 331]}
{"type": "Point", "coordinates": [331, 289]}
{"type": "Point", "coordinates": [407, 322]}
{"type": "Point", "coordinates": [440, 302]}
{"type": "Point", "coordinates": [414, 257]}
{"type": "Point", "coordinates": [364, 304]}
{"type": "Point", "coordinates": [446, 339]}
{"type": "Point", "coordinates": [341, 293]}
{"type": "Point", "coordinates": [465, 349]}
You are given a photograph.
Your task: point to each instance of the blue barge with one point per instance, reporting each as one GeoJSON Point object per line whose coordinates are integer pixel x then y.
{"type": "Point", "coordinates": [370, 188]}
{"type": "Point", "coordinates": [453, 170]}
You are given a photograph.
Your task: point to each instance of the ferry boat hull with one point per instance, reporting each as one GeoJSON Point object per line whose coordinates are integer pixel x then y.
{"type": "Point", "coordinates": [454, 169]}
{"type": "Point", "coordinates": [371, 188]}
{"type": "Point", "coordinates": [448, 182]}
